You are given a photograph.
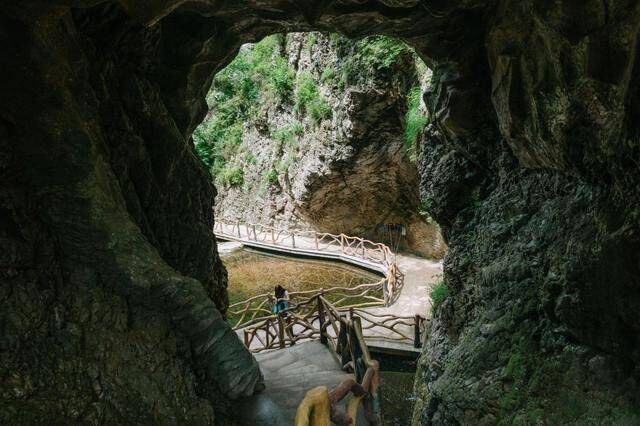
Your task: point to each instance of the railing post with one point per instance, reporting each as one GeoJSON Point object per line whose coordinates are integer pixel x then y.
{"type": "Point", "coordinates": [255, 237]}
{"type": "Point", "coordinates": [281, 331]}
{"type": "Point", "coordinates": [323, 336]}
{"type": "Point", "coordinates": [342, 243]}
{"type": "Point", "coordinates": [385, 293]}
{"type": "Point", "coordinates": [239, 234]}
{"type": "Point", "coordinates": [343, 342]}
{"type": "Point", "coordinates": [315, 234]}
{"type": "Point", "coordinates": [416, 331]}
{"type": "Point", "coordinates": [273, 238]}
{"type": "Point", "coordinates": [363, 251]}
{"type": "Point", "coordinates": [246, 338]}
{"type": "Point", "coordinates": [293, 239]}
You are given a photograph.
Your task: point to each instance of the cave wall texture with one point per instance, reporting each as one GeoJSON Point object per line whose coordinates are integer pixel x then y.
{"type": "Point", "coordinates": [112, 291]}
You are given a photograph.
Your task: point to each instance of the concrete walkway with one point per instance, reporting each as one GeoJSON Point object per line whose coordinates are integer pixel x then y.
{"type": "Point", "coordinates": [289, 373]}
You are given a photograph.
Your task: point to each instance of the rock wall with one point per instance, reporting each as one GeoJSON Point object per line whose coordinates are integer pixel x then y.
{"type": "Point", "coordinates": [112, 290]}
{"type": "Point", "coordinates": [531, 170]}
{"type": "Point", "coordinates": [349, 171]}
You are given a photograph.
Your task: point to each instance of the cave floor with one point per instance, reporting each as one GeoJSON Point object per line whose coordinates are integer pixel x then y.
{"type": "Point", "coordinates": [289, 373]}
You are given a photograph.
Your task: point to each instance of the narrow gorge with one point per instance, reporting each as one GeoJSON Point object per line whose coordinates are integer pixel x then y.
{"type": "Point", "coordinates": [112, 293]}
{"type": "Point", "coordinates": [315, 131]}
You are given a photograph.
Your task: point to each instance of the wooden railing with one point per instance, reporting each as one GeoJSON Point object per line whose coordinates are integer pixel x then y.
{"type": "Point", "coordinates": [320, 406]}
{"type": "Point", "coordinates": [257, 309]}
{"type": "Point", "coordinates": [344, 245]}
{"type": "Point", "coordinates": [318, 318]}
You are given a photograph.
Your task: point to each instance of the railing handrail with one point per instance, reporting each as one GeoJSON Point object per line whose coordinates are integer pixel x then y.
{"type": "Point", "coordinates": [355, 247]}
{"type": "Point", "coordinates": [388, 254]}
{"type": "Point", "coordinates": [319, 406]}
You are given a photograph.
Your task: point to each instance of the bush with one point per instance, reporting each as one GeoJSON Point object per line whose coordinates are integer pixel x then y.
{"type": "Point", "coordinates": [251, 81]}
{"type": "Point", "coordinates": [415, 121]}
{"type": "Point", "coordinates": [250, 158]}
{"type": "Point", "coordinates": [306, 90]}
{"type": "Point", "coordinates": [280, 78]}
{"type": "Point", "coordinates": [309, 100]}
{"type": "Point", "coordinates": [329, 74]}
{"type": "Point", "coordinates": [233, 176]}
{"type": "Point", "coordinates": [375, 53]}
{"type": "Point", "coordinates": [289, 133]}
{"type": "Point", "coordinates": [271, 176]}
{"type": "Point", "coordinates": [310, 42]}
{"type": "Point", "coordinates": [438, 295]}
{"type": "Point", "coordinates": [319, 110]}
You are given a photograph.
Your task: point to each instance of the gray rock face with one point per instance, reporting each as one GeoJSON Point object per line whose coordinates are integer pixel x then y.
{"type": "Point", "coordinates": [347, 173]}
{"type": "Point", "coordinates": [530, 167]}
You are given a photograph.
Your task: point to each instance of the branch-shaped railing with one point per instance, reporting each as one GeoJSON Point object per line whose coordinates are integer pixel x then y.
{"type": "Point", "coordinates": [320, 406]}
{"type": "Point", "coordinates": [356, 248]}
{"type": "Point", "coordinates": [257, 309]}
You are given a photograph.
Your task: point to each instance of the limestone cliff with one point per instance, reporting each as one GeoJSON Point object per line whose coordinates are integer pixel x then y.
{"type": "Point", "coordinates": [333, 152]}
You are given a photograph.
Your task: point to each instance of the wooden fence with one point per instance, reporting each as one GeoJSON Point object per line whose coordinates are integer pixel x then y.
{"type": "Point", "coordinates": [321, 406]}
{"type": "Point", "coordinates": [315, 314]}
{"type": "Point", "coordinates": [380, 293]}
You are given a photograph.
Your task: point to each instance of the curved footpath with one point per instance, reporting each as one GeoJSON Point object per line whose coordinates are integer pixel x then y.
{"type": "Point", "coordinates": [419, 275]}
{"type": "Point", "coordinates": [290, 372]}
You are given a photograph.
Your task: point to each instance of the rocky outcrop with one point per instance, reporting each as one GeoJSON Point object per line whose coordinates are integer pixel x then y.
{"type": "Point", "coordinates": [111, 306]}
{"type": "Point", "coordinates": [347, 171]}
{"type": "Point", "coordinates": [531, 170]}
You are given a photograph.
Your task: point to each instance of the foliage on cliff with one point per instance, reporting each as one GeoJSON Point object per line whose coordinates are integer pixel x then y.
{"type": "Point", "coordinates": [262, 77]}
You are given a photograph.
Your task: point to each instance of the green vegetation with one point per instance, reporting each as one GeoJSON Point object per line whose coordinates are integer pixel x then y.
{"type": "Point", "coordinates": [375, 53]}
{"type": "Point", "coordinates": [438, 295]}
{"type": "Point", "coordinates": [308, 98]}
{"type": "Point", "coordinates": [288, 134]}
{"type": "Point", "coordinates": [233, 176]}
{"type": "Point", "coordinates": [311, 41]}
{"type": "Point", "coordinates": [250, 158]}
{"type": "Point", "coordinates": [271, 176]}
{"type": "Point", "coordinates": [255, 79]}
{"type": "Point", "coordinates": [415, 121]}
{"type": "Point", "coordinates": [260, 80]}
{"type": "Point", "coordinates": [328, 75]}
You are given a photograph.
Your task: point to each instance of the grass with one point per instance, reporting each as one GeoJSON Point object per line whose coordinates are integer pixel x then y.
{"type": "Point", "coordinates": [258, 77]}
{"type": "Point", "coordinates": [289, 133]}
{"type": "Point", "coordinates": [438, 295]}
{"type": "Point", "coordinates": [233, 176]}
{"type": "Point", "coordinates": [309, 100]}
{"type": "Point", "coordinates": [415, 121]}
{"type": "Point", "coordinates": [271, 176]}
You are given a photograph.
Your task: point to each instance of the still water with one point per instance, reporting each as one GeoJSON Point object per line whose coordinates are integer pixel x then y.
{"type": "Point", "coordinates": [252, 273]}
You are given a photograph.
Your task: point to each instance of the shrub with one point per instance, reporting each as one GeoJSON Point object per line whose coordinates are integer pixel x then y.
{"type": "Point", "coordinates": [289, 133]}
{"type": "Point", "coordinates": [415, 121]}
{"type": "Point", "coordinates": [319, 110]}
{"type": "Point", "coordinates": [310, 42]}
{"type": "Point", "coordinates": [309, 99]}
{"type": "Point", "coordinates": [280, 78]}
{"type": "Point", "coordinates": [438, 295]}
{"type": "Point", "coordinates": [250, 158]}
{"type": "Point", "coordinates": [271, 176]}
{"type": "Point", "coordinates": [306, 90]}
{"type": "Point", "coordinates": [374, 53]}
{"type": "Point", "coordinates": [329, 74]}
{"type": "Point", "coordinates": [233, 176]}
{"type": "Point", "coordinates": [247, 84]}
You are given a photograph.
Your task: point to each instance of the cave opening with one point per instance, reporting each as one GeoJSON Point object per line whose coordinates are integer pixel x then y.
{"type": "Point", "coordinates": [318, 131]}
